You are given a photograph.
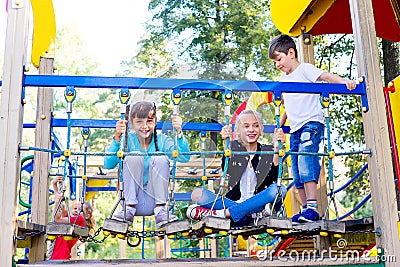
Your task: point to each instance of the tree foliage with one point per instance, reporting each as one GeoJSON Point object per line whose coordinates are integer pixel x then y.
{"type": "Point", "coordinates": [89, 103]}
{"type": "Point", "coordinates": [210, 32]}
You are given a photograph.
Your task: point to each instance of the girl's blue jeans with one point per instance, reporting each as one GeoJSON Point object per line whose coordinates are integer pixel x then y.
{"type": "Point", "coordinates": [239, 211]}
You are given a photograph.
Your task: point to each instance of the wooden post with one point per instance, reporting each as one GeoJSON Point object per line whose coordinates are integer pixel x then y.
{"type": "Point", "coordinates": [40, 186]}
{"type": "Point", "coordinates": [214, 247]}
{"type": "Point", "coordinates": [163, 248]}
{"type": "Point", "coordinates": [11, 115]}
{"type": "Point", "coordinates": [160, 251]}
{"type": "Point", "coordinates": [323, 243]}
{"type": "Point", "coordinates": [208, 245]}
{"type": "Point", "coordinates": [376, 130]}
{"type": "Point", "coordinates": [122, 249]}
{"type": "Point", "coordinates": [202, 246]}
{"type": "Point", "coordinates": [167, 248]}
{"type": "Point", "coordinates": [305, 52]}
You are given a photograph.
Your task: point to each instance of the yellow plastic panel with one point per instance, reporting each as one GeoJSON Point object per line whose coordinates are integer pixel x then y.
{"type": "Point", "coordinates": [289, 16]}
{"type": "Point", "coordinates": [44, 30]}
{"type": "Point", "coordinates": [398, 229]}
{"type": "Point", "coordinates": [94, 183]}
{"type": "Point", "coordinates": [394, 100]}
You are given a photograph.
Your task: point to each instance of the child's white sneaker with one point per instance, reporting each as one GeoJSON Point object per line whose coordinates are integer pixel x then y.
{"type": "Point", "coordinates": [130, 214]}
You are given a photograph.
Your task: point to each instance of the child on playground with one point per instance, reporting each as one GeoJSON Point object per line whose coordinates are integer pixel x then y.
{"type": "Point", "coordinates": [146, 177]}
{"type": "Point", "coordinates": [304, 113]}
{"type": "Point", "coordinates": [252, 178]}
{"type": "Point", "coordinates": [62, 248]}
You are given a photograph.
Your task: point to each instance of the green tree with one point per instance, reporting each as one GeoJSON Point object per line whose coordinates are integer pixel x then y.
{"type": "Point", "coordinates": [209, 32]}
{"type": "Point", "coordinates": [89, 103]}
{"type": "Point", "coordinates": [206, 40]}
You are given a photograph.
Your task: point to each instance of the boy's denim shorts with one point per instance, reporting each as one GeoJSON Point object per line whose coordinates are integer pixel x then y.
{"type": "Point", "coordinates": [308, 138]}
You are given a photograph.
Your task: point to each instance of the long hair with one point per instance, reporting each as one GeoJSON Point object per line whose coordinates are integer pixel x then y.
{"type": "Point", "coordinates": [90, 221]}
{"type": "Point", "coordinates": [239, 122]}
{"type": "Point", "coordinates": [144, 110]}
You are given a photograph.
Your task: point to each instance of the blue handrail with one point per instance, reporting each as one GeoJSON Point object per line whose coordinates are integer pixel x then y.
{"type": "Point", "coordinates": [358, 174]}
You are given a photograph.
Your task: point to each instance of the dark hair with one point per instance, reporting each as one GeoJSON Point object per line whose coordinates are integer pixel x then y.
{"type": "Point", "coordinates": [144, 110]}
{"type": "Point", "coordinates": [282, 43]}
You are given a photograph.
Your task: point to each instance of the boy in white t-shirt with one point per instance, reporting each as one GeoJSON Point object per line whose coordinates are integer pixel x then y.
{"type": "Point", "coordinates": [304, 113]}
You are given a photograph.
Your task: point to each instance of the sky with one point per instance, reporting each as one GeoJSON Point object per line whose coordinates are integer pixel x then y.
{"type": "Point", "coordinates": [109, 30]}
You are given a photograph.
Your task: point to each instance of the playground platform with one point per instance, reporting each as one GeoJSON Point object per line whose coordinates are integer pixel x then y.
{"type": "Point", "coordinates": [221, 262]}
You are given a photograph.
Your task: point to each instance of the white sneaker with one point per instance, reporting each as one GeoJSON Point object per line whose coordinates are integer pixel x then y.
{"type": "Point", "coordinates": [130, 214]}
{"type": "Point", "coordinates": [267, 211]}
{"type": "Point", "coordinates": [196, 212]}
{"type": "Point", "coordinates": [163, 217]}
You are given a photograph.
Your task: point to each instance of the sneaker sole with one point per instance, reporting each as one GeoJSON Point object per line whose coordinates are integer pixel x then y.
{"type": "Point", "coordinates": [161, 224]}
{"type": "Point", "coordinates": [303, 220]}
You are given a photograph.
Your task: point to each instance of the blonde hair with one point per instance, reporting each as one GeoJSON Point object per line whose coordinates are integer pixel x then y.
{"type": "Point", "coordinates": [239, 122]}
{"type": "Point", "coordinates": [90, 221]}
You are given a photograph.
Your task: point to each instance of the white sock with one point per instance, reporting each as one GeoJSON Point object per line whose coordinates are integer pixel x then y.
{"type": "Point", "coordinates": [220, 213]}
{"type": "Point", "coordinates": [157, 209]}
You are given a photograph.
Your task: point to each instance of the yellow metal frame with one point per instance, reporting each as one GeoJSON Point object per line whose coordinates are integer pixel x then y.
{"type": "Point", "coordinates": [95, 183]}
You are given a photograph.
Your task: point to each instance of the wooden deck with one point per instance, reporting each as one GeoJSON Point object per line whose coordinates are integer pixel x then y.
{"type": "Point", "coordinates": [228, 262]}
{"type": "Point", "coordinates": [26, 228]}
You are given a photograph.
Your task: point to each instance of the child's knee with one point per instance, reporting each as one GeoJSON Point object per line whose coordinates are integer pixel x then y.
{"type": "Point", "coordinates": [196, 194]}
{"type": "Point", "coordinates": [283, 191]}
{"type": "Point", "coordinates": [160, 161]}
{"type": "Point", "coordinates": [298, 183]}
{"type": "Point", "coordinates": [134, 160]}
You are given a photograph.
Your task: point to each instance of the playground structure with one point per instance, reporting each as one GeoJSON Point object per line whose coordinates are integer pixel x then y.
{"type": "Point", "coordinates": [386, 222]}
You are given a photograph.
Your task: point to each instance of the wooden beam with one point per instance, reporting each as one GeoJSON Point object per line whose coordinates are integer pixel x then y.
{"type": "Point", "coordinates": [40, 186]}
{"type": "Point", "coordinates": [11, 115]}
{"type": "Point", "coordinates": [122, 249]}
{"type": "Point", "coordinates": [306, 52]}
{"type": "Point", "coordinates": [25, 228]}
{"type": "Point", "coordinates": [376, 130]}
{"type": "Point", "coordinates": [160, 250]}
